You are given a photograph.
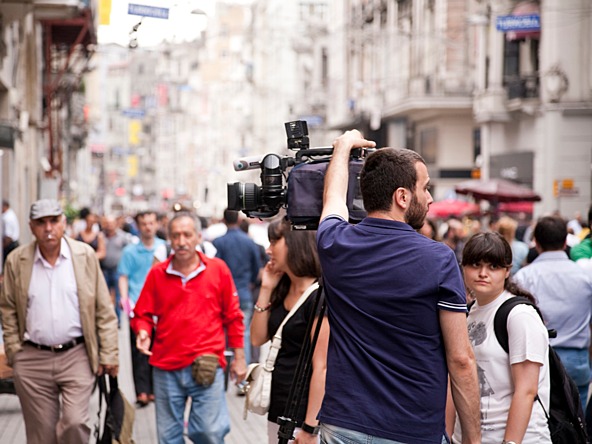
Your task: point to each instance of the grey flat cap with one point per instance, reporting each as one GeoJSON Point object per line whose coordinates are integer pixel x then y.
{"type": "Point", "coordinates": [44, 208]}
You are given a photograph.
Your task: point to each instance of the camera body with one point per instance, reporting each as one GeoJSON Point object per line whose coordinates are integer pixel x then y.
{"type": "Point", "coordinates": [294, 183]}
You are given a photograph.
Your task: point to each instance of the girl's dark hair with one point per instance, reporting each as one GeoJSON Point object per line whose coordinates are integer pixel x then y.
{"type": "Point", "coordinates": [493, 249]}
{"type": "Point", "coordinates": [303, 258]}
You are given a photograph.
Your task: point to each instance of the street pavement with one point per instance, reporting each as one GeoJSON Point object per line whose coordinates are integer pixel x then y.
{"type": "Point", "coordinates": [251, 431]}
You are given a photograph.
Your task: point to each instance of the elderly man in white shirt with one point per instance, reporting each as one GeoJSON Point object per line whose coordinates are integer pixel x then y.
{"type": "Point", "coordinates": [60, 329]}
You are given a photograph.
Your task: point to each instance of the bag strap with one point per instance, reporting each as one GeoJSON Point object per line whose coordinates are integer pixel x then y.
{"type": "Point", "coordinates": [103, 395]}
{"type": "Point", "coordinates": [500, 321]}
{"type": "Point", "coordinates": [500, 325]}
{"type": "Point", "coordinates": [276, 342]}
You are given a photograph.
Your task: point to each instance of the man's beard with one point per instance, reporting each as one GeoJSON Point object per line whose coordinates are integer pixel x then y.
{"type": "Point", "coordinates": [416, 214]}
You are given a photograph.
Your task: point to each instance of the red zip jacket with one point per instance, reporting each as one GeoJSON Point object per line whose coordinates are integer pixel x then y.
{"type": "Point", "coordinates": [191, 319]}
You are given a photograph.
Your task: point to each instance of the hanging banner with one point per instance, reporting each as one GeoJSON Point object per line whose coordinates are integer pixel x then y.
{"type": "Point", "coordinates": [104, 12]}
{"type": "Point", "coordinates": [132, 165]}
{"type": "Point", "coordinates": [134, 128]}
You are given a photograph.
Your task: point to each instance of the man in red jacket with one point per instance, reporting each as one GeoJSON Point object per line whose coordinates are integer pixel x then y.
{"type": "Point", "coordinates": [194, 301]}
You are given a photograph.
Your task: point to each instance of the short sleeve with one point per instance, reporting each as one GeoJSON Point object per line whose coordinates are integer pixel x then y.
{"type": "Point", "coordinates": [452, 296]}
{"type": "Point", "coordinates": [124, 266]}
{"type": "Point", "coordinates": [528, 338]}
{"type": "Point", "coordinates": [326, 232]}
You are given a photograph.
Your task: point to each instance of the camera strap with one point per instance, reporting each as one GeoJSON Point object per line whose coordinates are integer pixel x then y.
{"type": "Point", "coordinates": [303, 371]}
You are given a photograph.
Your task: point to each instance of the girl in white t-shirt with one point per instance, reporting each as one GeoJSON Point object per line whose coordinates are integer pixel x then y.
{"type": "Point", "coordinates": [509, 382]}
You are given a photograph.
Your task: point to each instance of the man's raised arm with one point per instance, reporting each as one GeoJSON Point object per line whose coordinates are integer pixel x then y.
{"type": "Point", "coordinates": [336, 179]}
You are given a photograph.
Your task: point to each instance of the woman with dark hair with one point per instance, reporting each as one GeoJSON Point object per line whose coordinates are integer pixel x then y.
{"type": "Point", "coordinates": [90, 235]}
{"type": "Point", "coordinates": [509, 382]}
{"type": "Point", "coordinates": [292, 268]}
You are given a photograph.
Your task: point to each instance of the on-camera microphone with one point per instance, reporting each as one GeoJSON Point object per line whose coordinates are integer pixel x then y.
{"type": "Point", "coordinates": [247, 163]}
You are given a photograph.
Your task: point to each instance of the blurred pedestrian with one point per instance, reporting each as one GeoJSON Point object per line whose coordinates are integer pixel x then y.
{"type": "Point", "coordinates": [429, 230]}
{"type": "Point", "coordinates": [91, 233]}
{"type": "Point", "coordinates": [293, 267]}
{"type": "Point", "coordinates": [241, 255]}
{"type": "Point", "coordinates": [454, 237]}
{"type": "Point", "coordinates": [186, 306]}
{"type": "Point", "coordinates": [136, 261]}
{"type": "Point", "coordinates": [60, 329]}
{"type": "Point", "coordinates": [583, 250]}
{"type": "Point", "coordinates": [205, 246]}
{"type": "Point", "coordinates": [263, 258]}
{"type": "Point", "coordinates": [115, 242]}
{"type": "Point", "coordinates": [576, 224]}
{"type": "Point", "coordinates": [564, 295]}
{"type": "Point", "coordinates": [506, 226]}
{"type": "Point", "coordinates": [509, 382]}
{"type": "Point", "coordinates": [397, 308]}
{"type": "Point", "coordinates": [162, 220]}
{"type": "Point", "coordinates": [10, 229]}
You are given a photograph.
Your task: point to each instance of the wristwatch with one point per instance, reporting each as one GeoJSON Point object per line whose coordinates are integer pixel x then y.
{"type": "Point", "coordinates": [310, 429]}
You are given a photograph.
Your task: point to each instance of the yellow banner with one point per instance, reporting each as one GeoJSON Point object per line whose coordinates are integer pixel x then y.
{"type": "Point", "coordinates": [134, 128]}
{"type": "Point", "coordinates": [104, 12]}
{"type": "Point", "coordinates": [132, 165]}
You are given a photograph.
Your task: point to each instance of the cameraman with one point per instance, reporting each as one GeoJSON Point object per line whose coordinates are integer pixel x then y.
{"type": "Point", "coordinates": [397, 308]}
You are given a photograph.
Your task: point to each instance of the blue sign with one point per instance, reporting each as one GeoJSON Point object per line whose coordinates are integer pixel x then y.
{"type": "Point", "coordinates": [134, 113]}
{"type": "Point", "coordinates": [314, 121]}
{"type": "Point", "coordinates": [148, 11]}
{"type": "Point", "coordinates": [507, 23]}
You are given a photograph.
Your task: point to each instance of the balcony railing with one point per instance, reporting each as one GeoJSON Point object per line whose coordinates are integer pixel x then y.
{"type": "Point", "coordinates": [522, 87]}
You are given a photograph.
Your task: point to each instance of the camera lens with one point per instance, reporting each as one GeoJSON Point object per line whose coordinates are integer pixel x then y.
{"type": "Point", "coordinates": [250, 196]}
{"type": "Point", "coordinates": [243, 196]}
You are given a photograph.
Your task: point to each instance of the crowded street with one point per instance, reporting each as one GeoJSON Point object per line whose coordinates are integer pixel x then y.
{"type": "Point", "coordinates": [246, 221]}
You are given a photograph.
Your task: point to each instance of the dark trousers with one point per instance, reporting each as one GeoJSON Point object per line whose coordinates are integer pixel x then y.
{"type": "Point", "coordinates": [11, 246]}
{"type": "Point", "coordinates": [142, 371]}
{"type": "Point", "coordinates": [112, 278]}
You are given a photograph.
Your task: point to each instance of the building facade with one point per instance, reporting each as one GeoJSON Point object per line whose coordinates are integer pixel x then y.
{"type": "Point", "coordinates": [438, 76]}
{"type": "Point", "coordinates": [45, 47]}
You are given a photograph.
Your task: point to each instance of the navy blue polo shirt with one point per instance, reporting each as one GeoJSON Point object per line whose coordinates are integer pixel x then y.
{"type": "Point", "coordinates": [386, 366]}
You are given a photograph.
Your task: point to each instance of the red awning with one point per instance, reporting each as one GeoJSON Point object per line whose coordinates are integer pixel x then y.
{"type": "Point", "coordinates": [516, 207]}
{"type": "Point", "coordinates": [497, 190]}
{"type": "Point", "coordinates": [526, 7]}
{"type": "Point", "coordinates": [452, 208]}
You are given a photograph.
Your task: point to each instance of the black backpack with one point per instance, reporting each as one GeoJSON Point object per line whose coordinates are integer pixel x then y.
{"type": "Point", "coordinates": [565, 417]}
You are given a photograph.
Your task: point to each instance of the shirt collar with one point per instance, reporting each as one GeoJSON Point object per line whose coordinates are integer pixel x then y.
{"type": "Point", "coordinates": [140, 245]}
{"type": "Point", "coordinates": [65, 253]}
{"type": "Point", "coordinates": [551, 256]}
{"type": "Point", "coordinates": [385, 223]}
{"type": "Point", "coordinates": [201, 267]}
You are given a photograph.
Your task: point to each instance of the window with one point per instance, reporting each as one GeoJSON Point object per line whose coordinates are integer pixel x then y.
{"type": "Point", "coordinates": [521, 68]}
{"type": "Point", "coordinates": [324, 67]}
{"type": "Point", "coordinates": [312, 9]}
{"type": "Point", "coordinates": [428, 145]}
{"type": "Point", "coordinates": [476, 143]}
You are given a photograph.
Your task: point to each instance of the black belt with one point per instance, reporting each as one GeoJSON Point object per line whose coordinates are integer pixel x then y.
{"type": "Point", "coordinates": [60, 347]}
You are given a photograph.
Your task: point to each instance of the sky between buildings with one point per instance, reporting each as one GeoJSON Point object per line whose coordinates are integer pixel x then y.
{"type": "Point", "coordinates": [182, 24]}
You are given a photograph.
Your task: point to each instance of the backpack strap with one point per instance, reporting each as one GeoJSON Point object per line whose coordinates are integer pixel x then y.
{"type": "Point", "coordinates": [500, 321]}
{"type": "Point", "coordinates": [500, 325]}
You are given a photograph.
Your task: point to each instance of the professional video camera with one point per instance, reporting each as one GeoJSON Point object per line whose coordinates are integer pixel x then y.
{"type": "Point", "coordinates": [301, 192]}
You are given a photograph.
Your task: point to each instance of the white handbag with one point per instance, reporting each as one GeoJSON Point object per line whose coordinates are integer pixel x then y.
{"type": "Point", "coordinates": [258, 389]}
